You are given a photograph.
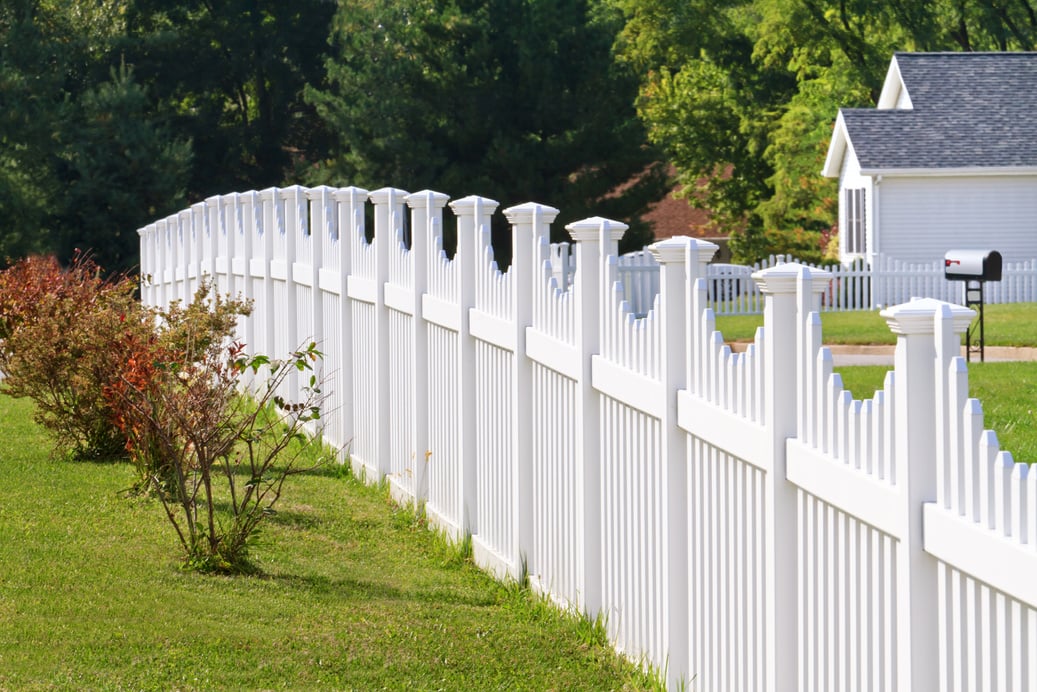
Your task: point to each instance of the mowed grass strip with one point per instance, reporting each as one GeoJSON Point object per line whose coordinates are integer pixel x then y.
{"type": "Point", "coordinates": [1012, 324]}
{"type": "Point", "coordinates": [355, 594]}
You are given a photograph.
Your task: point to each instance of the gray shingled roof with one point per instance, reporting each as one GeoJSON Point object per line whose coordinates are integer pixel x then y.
{"type": "Point", "coordinates": [969, 110]}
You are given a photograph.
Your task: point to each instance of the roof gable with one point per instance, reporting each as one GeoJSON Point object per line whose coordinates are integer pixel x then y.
{"type": "Point", "coordinates": [948, 111]}
{"type": "Point", "coordinates": [894, 92]}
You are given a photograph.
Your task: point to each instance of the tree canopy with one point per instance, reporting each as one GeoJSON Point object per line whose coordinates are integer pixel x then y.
{"type": "Point", "coordinates": [115, 112]}
{"type": "Point", "coordinates": [518, 100]}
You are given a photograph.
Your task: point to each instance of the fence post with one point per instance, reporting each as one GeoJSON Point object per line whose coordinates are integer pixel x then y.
{"type": "Point", "coordinates": [915, 476]}
{"type": "Point", "coordinates": [529, 223]}
{"type": "Point", "coordinates": [592, 239]}
{"type": "Point", "coordinates": [388, 215]}
{"type": "Point", "coordinates": [245, 221]}
{"type": "Point", "coordinates": [199, 230]}
{"type": "Point", "coordinates": [350, 201]}
{"type": "Point", "coordinates": [263, 246]}
{"type": "Point", "coordinates": [782, 286]}
{"type": "Point", "coordinates": [673, 256]}
{"type": "Point", "coordinates": [426, 217]}
{"type": "Point", "coordinates": [877, 271]}
{"type": "Point", "coordinates": [210, 263]}
{"type": "Point", "coordinates": [225, 260]}
{"type": "Point", "coordinates": [162, 268]}
{"type": "Point", "coordinates": [185, 226]}
{"type": "Point", "coordinates": [295, 210]}
{"type": "Point", "coordinates": [148, 263]}
{"type": "Point", "coordinates": [322, 224]}
{"type": "Point", "coordinates": [473, 217]}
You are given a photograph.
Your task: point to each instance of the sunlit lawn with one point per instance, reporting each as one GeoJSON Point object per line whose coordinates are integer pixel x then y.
{"type": "Point", "coordinates": [1004, 325]}
{"type": "Point", "coordinates": [356, 594]}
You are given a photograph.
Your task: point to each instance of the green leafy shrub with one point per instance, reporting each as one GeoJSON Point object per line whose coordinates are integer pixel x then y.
{"type": "Point", "coordinates": [183, 337]}
{"type": "Point", "coordinates": [206, 425]}
{"type": "Point", "coordinates": [62, 331]}
{"type": "Point", "coordinates": [209, 424]}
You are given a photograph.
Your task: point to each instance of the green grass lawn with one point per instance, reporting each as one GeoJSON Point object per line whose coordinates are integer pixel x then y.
{"type": "Point", "coordinates": [355, 594]}
{"type": "Point", "coordinates": [1003, 325]}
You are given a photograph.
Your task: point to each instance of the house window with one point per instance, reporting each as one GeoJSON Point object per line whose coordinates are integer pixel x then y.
{"type": "Point", "coordinates": [856, 226]}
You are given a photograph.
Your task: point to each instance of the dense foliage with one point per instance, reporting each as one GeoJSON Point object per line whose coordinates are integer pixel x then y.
{"type": "Point", "coordinates": [61, 337]}
{"type": "Point", "coordinates": [217, 459]}
{"type": "Point", "coordinates": [741, 94]}
{"type": "Point", "coordinates": [516, 100]}
{"type": "Point", "coordinates": [115, 112]}
{"type": "Point", "coordinates": [208, 427]}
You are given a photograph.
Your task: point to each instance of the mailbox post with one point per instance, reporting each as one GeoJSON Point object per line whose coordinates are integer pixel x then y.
{"type": "Point", "coordinates": [974, 267]}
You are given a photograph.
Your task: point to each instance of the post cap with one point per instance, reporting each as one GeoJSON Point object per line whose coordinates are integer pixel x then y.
{"type": "Point", "coordinates": [471, 202]}
{"type": "Point", "coordinates": [529, 211]}
{"type": "Point", "coordinates": [918, 316]}
{"type": "Point", "coordinates": [291, 191]}
{"type": "Point", "coordinates": [315, 193]}
{"type": "Point", "coordinates": [427, 199]}
{"type": "Point", "coordinates": [386, 194]}
{"type": "Point", "coordinates": [784, 278]}
{"type": "Point", "coordinates": [671, 250]}
{"type": "Point", "coordinates": [348, 194]}
{"type": "Point", "coordinates": [590, 229]}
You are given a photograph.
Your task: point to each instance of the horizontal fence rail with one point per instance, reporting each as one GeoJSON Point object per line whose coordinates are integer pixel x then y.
{"type": "Point", "coordinates": [738, 520]}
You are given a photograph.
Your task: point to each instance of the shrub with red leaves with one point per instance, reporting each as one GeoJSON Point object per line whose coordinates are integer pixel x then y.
{"type": "Point", "coordinates": [62, 332]}
{"type": "Point", "coordinates": [169, 388]}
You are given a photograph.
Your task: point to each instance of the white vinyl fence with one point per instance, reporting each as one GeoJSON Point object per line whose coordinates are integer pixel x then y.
{"type": "Point", "coordinates": [731, 290]}
{"type": "Point", "coordinates": [739, 519]}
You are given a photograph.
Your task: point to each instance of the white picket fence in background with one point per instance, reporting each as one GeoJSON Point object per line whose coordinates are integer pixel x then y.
{"type": "Point", "coordinates": [738, 518]}
{"type": "Point", "coordinates": [855, 286]}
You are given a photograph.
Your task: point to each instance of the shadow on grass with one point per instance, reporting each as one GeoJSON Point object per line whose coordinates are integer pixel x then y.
{"type": "Point", "coordinates": [101, 459]}
{"type": "Point", "coordinates": [351, 588]}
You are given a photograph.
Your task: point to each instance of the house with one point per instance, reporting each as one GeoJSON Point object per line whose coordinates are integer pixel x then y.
{"type": "Point", "coordinates": [947, 160]}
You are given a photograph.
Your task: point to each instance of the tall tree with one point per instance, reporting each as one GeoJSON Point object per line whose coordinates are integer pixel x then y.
{"type": "Point", "coordinates": [519, 100]}
{"type": "Point", "coordinates": [706, 100]}
{"type": "Point", "coordinates": [122, 170]}
{"type": "Point", "coordinates": [89, 154]}
{"type": "Point", "coordinates": [35, 59]}
{"type": "Point", "coordinates": [838, 57]}
{"type": "Point", "coordinates": [231, 75]}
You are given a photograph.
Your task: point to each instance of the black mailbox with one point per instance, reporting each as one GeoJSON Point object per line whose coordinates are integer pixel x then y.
{"type": "Point", "coordinates": [972, 265]}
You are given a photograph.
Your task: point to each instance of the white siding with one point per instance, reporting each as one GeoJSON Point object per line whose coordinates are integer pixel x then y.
{"type": "Point", "coordinates": [922, 218]}
{"type": "Point", "coordinates": [850, 178]}
{"type": "Point", "coordinates": [903, 101]}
